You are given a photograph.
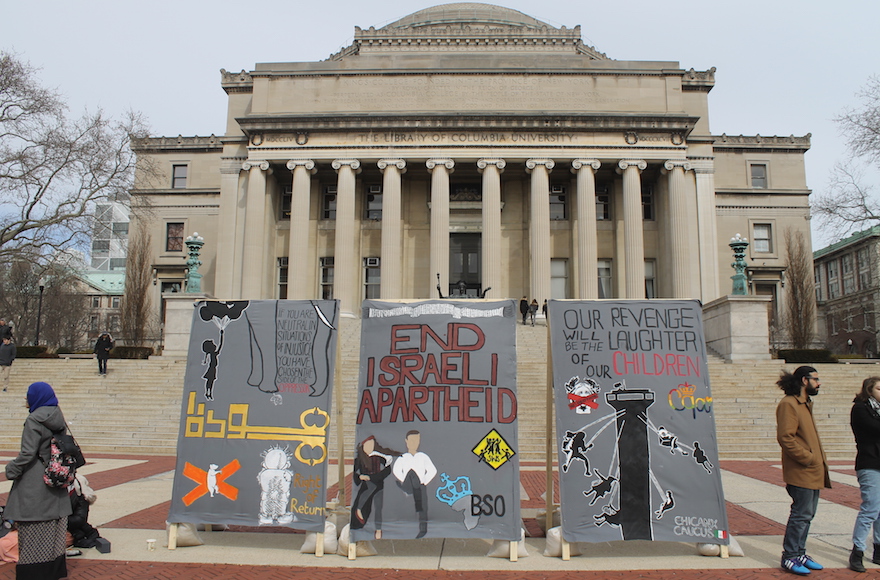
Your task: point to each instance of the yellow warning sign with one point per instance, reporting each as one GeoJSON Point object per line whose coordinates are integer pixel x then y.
{"type": "Point", "coordinates": [493, 450]}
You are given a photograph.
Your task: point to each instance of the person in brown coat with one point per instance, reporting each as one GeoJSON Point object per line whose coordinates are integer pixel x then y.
{"type": "Point", "coordinates": [804, 466]}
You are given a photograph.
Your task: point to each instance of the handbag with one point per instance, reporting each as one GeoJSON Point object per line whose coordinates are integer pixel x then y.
{"type": "Point", "coordinates": [65, 457]}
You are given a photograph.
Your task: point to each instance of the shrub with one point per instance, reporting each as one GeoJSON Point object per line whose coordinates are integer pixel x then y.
{"type": "Point", "coordinates": [807, 355]}
{"type": "Point", "coordinates": [30, 351]}
{"type": "Point", "coordinates": [131, 352]}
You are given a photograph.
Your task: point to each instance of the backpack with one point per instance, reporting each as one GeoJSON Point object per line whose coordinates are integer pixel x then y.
{"type": "Point", "coordinates": [65, 457]}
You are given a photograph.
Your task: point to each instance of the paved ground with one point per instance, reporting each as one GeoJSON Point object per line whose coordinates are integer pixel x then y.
{"type": "Point", "coordinates": [134, 494]}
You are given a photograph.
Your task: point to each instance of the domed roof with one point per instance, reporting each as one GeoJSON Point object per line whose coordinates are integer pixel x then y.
{"type": "Point", "coordinates": [467, 13]}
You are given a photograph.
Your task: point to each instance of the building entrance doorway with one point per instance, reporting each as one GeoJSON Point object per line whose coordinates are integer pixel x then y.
{"type": "Point", "coordinates": [465, 273]}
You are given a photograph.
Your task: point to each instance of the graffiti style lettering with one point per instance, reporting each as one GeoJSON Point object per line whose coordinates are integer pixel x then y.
{"type": "Point", "coordinates": [682, 398]}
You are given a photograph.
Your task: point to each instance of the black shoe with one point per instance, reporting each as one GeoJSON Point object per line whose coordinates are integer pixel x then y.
{"type": "Point", "coordinates": [876, 558]}
{"type": "Point", "coordinates": [855, 560]}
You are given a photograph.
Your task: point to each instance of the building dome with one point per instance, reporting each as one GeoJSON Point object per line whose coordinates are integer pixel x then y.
{"type": "Point", "coordinates": [467, 14]}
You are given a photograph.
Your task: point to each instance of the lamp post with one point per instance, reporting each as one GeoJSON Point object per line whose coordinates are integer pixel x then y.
{"type": "Point", "coordinates": [40, 310]}
{"type": "Point", "coordinates": [739, 244]}
{"type": "Point", "coordinates": [194, 245]}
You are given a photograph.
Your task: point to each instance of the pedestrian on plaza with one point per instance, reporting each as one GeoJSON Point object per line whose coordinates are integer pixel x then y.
{"type": "Point", "coordinates": [533, 310]}
{"type": "Point", "coordinates": [544, 309]}
{"type": "Point", "coordinates": [5, 330]}
{"type": "Point", "coordinates": [804, 465]}
{"type": "Point", "coordinates": [39, 511]}
{"type": "Point", "coordinates": [7, 355]}
{"type": "Point", "coordinates": [524, 309]}
{"type": "Point", "coordinates": [102, 351]}
{"type": "Point", "coordinates": [864, 418]}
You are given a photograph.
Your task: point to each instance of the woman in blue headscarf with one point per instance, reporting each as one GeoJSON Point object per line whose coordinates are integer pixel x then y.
{"type": "Point", "coordinates": [39, 510]}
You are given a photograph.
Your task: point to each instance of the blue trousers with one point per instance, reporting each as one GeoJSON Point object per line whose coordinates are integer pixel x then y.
{"type": "Point", "coordinates": [869, 512]}
{"type": "Point", "coordinates": [803, 507]}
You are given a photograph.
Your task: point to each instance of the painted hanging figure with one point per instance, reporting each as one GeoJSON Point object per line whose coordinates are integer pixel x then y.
{"type": "Point", "coordinates": [275, 479]}
{"type": "Point", "coordinates": [669, 439]}
{"type": "Point", "coordinates": [220, 314]}
{"type": "Point", "coordinates": [701, 459]}
{"type": "Point", "coordinates": [668, 504]}
{"type": "Point", "coordinates": [574, 444]}
{"type": "Point", "coordinates": [212, 358]}
{"type": "Point", "coordinates": [600, 487]}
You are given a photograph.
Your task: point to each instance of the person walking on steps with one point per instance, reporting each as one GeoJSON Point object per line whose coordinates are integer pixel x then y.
{"type": "Point", "coordinates": [7, 355]}
{"type": "Point", "coordinates": [102, 351]}
{"type": "Point", "coordinates": [804, 465]}
{"type": "Point", "coordinates": [524, 309]}
{"type": "Point", "coordinates": [864, 419]}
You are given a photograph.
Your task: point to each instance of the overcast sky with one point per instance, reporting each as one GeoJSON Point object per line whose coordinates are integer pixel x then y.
{"type": "Point", "coordinates": [783, 66]}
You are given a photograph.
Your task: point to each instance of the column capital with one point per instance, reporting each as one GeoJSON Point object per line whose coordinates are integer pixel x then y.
{"type": "Point", "coordinates": [499, 163]}
{"type": "Point", "coordinates": [640, 164]}
{"type": "Point", "coordinates": [532, 163]}
{"type": "Point", "coordinates": [577, 164]}
{"type": "Point", "coordinates": [353, 163]}
{"type": "Point", "coordinates": [432, 163]}
{"type": "Point", "coordinates": [247, 165]}
{"type": "Point", "coordinates": [673, 163]}
{"type": "Point", "coordinates": [307, 163]}
{"type": "Point", "coordinates": [705, 165]}
{"type": "Point", "coordinates": [399, 163]}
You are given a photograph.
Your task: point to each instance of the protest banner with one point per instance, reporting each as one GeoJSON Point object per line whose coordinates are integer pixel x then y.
{"type": "Point", "coordinates": [437, 422]}
{"type": "Point", "coordinates": [635, 432]}
{"type": "Point", "coordinates": [252, 448]}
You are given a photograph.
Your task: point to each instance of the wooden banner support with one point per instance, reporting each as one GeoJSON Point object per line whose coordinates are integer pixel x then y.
{"type": "Point", "coordinates": [172, 537]}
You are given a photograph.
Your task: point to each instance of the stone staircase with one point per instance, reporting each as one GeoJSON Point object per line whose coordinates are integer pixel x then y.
{"type": "Point", "coordinates": [136, 407]}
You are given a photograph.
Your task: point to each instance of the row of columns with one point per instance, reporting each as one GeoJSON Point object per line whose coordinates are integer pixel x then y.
{"type": "Point", "coordinates": [346, 270]}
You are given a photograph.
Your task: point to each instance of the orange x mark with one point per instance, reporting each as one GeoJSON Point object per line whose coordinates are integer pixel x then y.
{"type": "Point", "coordinates": [200, 476]}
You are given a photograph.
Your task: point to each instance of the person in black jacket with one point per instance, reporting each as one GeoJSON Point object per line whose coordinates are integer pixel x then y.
{"type": "Point", "coordinates": [102, 351]}
{"type": "Point", "coordinates": [865, 423]}
{"type": "Point", "coordinates": [524, 309]}
{"type": "Point", "coordinates": [81, 497]}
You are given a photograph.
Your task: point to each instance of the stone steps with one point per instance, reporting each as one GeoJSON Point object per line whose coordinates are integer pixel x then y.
{"type": "Point", "coordinates": [136, 407]}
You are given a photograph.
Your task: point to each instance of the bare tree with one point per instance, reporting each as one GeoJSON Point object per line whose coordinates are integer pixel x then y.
{"type": "Point", "coordinates": [54, 169]}
{"type": "Point", "coordinates": [136, 311]}
{"type": "Point", "coordinates": [848, 203]}
{"type": "Point", "coordinates": [800, 305]}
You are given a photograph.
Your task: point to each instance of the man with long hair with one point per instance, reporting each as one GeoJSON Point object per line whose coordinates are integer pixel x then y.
{"type": "Point", "coordinates": [804, 466]}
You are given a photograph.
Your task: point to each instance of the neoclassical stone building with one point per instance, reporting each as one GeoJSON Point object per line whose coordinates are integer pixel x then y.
{"type": "Point", "coordinates": [476, 149]}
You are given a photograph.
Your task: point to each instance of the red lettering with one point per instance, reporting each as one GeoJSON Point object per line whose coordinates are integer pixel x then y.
{"type": "Point", "coordinates": [431, 369]}
{"type": "Point", "coordinates": [448, 366]}
{"type": "Point", "coordinates": [407, 369]}
{"type": "Point", "coordinates": [389, 365]}
{"type": "Point", "coordinates": [371, 362]}
{"type": "Point", "coordinates": [465, 371]}
{"type": "Point", "coordinates": [510, 417]}
{"type": "Point", "coordinates": [400, 406]}
{"type": "Point", "coordinates": [367, 406]}
{"type": "Point", "coordinates": [428, 331]}
{"type": "Point", "coordinates": [417, 396]}
{"type": "Point", "coordinates": [397, 338]}
{"type": "Point", "coordinates": [456, 341]}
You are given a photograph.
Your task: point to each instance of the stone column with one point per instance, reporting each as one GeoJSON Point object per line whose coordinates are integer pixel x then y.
{"type": "Point", "coordinates": [439, 260]}
{"type": "Point", "coordinates": [345, 267]}
{"type": "Point", "coordinates": [391, 285]}
{"type": "Point", "coordinates": [539, 229]}
{"type": "Point", "coordinates": [299, 257]}
{"type": "Point", "coordinates": [707, 229]}
{"type": "Point", "coordinates": [491, 243]}
{"type": "Point", "coordinates": [678, 226]}
{"type": "Point", "coordinates": [633, 235]}
{"type": "Point", "coordinates": [228, 247]}
{"type": "Point", "coordinates": [588, 237]}
{"type": "Point", "coordinates": [253, 258]}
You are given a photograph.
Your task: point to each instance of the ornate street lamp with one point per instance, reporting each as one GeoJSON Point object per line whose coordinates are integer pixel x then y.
{"type": "Point", "coordinates": [194, 245]}
{"type": "Point", "coordinates": [739, 244]}
{"type": "Point", "coordinates": [40, 310]}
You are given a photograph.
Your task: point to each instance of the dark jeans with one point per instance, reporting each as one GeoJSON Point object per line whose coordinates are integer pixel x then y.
{"type": "Point", "coordinates": [803, 507]}
{"type": "Point", "coordinates": [102, 364]}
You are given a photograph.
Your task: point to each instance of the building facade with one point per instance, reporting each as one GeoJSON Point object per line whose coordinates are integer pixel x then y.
{"type": "Point", "coordinates": [470, 149]}
{"type": "Point", "coordinates": [848, 293]}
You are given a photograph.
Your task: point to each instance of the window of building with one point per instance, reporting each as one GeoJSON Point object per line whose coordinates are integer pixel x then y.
{"type": "Point", "coordinates": [96, 301]}
{"type": "Point", "coordinates": [93, 323]}
{"type": "Point", "coordinates": [603, 203]}
{"type": "Point", "coordinates": [559, 278]}
{"type": "Point", "coordinates": [327, 278]}
{"type": "Point", "coordinates": [557, 203]}
{"type": "Point", "coordinates": [282, 277]}
{"type": "Point", "coordinates": [114, 302]}
{"type": "Point", "coordinates": [100, 246]}
{"type": "Point", "coordinates": [604, 278]}
{"type": "Point", "coordinates": [762, 238]}
{"type": "Point", "coordinates": [647, 202]}
{"type": "Point", "coordinates": [817, 282]}
{"type": "Point", "coordinates": [758, 175]}
{"type": "Point", "coordinates": [864, 269]}
{"type": "Point", "coordinates": [117, 263]}
{"type": "Point", "coordinates": [831, 323]}
{"type": "Point", "coordinates": [373, 205]}
{"type": "Point", "coordinates": [650, 287]}
{"type": "Point", "coordinates": [178, 177]}
{"type": "Point", "coordinates": [372, 278]}
{"type": "Point", "coordinates": [120, 229]}
{"type": "Point", "coordinates": [114, 323]}
{"type": "Point", "coordinates": [868, 319]}
{"type": "Point", "coordinates": [286, 200]}
{"type": "Point", "coordinates": [328, 203]}
{"type": "Point", "coordinates": [833, 280]}
{"type": "Point", "coordinates": [174, 237]}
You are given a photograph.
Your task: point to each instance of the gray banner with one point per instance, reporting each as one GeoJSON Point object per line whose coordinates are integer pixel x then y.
{"type": "Point", "coordinates": [252, 448]}
{"type": "Point", "coordinates": [635, 431]}
{"type": "Point", "coordinates": [436, 422]}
